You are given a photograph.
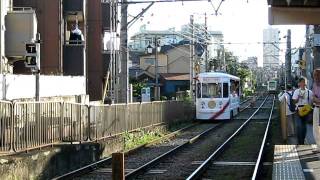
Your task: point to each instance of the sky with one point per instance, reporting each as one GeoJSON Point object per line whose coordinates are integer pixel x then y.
{"type": "Point", "coordinates": [239, 20]}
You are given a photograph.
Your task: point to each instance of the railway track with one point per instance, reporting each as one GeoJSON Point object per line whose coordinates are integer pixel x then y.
{"type": "Point", "coordinates": [102, 169]}
{"type": "Point", "coordinates": [137, 162]}
{"type": "Point", "coordinates": [229, 161]}
{"type": "Point", "coordinates": [179, 164]}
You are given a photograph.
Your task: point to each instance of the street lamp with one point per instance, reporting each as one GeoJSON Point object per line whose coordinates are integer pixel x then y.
{"type": "Point", "coordinates": [149, 51]}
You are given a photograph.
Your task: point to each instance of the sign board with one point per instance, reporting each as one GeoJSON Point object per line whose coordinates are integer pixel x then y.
{"type": "Point", "coordinates": [145, 94]}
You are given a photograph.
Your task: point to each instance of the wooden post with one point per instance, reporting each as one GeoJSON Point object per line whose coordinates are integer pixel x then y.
{"type": "Point", "coordinates": [118, 166]}
{"type": "Point", "coordinates": [283, 120]}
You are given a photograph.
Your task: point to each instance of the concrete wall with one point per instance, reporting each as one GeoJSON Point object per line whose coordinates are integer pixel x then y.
{"type": "Point", "coordinates": [52, 162]}
{"type": "Point", "coordinates": [23, 86]}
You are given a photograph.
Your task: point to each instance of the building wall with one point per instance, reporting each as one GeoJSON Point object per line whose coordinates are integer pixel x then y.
{"type": "Point", "coordinates": [49, 18]}
{"type": "Point", "coordinates": [23, 86]}
{"type": "Point", "coordinates": [94, 50]}
{"type": "Point", "coordinates": [271, 48]}
{"type": "Point", "coordinates": [179, 60]}
{"type": "Point", "coordinates": [147, 63]}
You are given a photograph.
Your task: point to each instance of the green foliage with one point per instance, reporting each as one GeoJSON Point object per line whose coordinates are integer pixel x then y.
{"type": "Point", "coordinates": [137, 86]}
{"type": "Point", "coordinates": [242, 71]}
{"type": "Point", "coordinates": [247, 92]}
{"type": "Point", "coordinates": [163, 98]}
{"type": "Point", "coordinates": [133, 140]}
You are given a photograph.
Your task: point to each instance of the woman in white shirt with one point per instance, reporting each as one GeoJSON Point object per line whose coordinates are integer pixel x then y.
{"type": "Point", "coordinates": [285, 96]}
{"type": "Point", "coordinates": [301, 97]}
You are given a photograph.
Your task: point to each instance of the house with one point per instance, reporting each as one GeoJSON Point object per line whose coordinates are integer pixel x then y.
{"type": "Point", "coordinates": [174, 68]}
{"type": "Point", "coordinates": [174, 82]}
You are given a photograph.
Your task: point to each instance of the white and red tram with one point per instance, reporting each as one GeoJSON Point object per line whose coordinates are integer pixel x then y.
{"type": "Point", "coordinates": [217, 96]}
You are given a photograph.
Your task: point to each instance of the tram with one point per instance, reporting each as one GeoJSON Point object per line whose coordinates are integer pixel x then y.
{"type": "Point", "coordinates": [217, 96]}
{"type": "Point", "coordinates": [272, 87]}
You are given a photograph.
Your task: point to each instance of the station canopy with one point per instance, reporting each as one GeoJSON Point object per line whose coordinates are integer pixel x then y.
{"type": "Point", "coordinates": [286, 12]}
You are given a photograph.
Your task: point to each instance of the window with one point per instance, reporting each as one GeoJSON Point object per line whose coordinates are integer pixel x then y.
{"type": "Point", "coordinates": [235, 88]}
{"type": "Point", "coordinates": [149, 61]}
{"type": "Point", "coordinates": [198, 90]}
{"type": "Point", "coordinates": [225, 90]}
{"type": "Point", "coordinates": [211, 90]}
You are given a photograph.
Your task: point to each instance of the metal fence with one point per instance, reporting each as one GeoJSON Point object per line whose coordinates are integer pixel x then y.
{"type": "Point", "coordinates": [36, 124]}
{"type": "Point", "coordinates": [5, 126]}
{"type": "Point", "coordinates": [30, 125]}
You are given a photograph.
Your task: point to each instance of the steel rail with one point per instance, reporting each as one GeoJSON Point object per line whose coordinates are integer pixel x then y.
{"type": "Point", "coordinates": [197, 173]}
{"type": "Point", "coordinates": [94, 165]}
{"type": "Point", "coordinates": [150, 164]}
{"type": "Point", "coordinates": [258, 162]}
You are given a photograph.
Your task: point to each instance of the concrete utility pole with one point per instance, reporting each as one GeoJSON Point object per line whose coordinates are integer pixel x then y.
{"type": "Point", "coordinates": [191, 56]}
{"type": "Point", "coordinates": [288, 58]}
{"type": "Point", "coordinates": [123, 79]}
{"type": "Point", "coordinates": [316, 49]}
{"type": "Point", "coordinates": [206, 42]}
{"type": "Point", "coordinates": [308, 58]}
{"type": "Point", "coordinates": [157, 88]}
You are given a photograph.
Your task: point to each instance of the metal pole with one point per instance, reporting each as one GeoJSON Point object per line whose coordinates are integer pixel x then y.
{"type": "Point", "coordinates": [37, 70]}
{"type": "Point", "coordinates": [37, 85]}
{"type": "Point", "coordinates": [206, 42]}
{"type": "Point", "coordinates": [191, 56]}
{"type": "Point", "coordinates": [156, 69]}
{"type": "Point", "coordinates": [288, 58]}
{"type": "Point", "coordinates": [224, 59]}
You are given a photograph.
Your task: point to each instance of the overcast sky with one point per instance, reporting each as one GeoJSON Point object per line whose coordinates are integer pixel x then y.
{"type": "Point", "coordinates": [238, 20]}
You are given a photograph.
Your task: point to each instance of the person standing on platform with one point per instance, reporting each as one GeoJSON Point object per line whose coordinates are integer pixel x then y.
{"type": "Point", "coordinates": [286, 97]}
{"type": "Point", "coordinates": [316, 101]}
{"type": "Point", "coordinates": [303, 117]}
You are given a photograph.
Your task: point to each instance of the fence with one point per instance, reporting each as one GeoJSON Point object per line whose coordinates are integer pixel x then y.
{"type": "Point", "coordinates": [5, 126]}
{"type": "Point", "coordinates": [30, 125]}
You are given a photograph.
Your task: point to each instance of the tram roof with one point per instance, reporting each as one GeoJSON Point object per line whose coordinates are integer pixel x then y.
{"type": "Point", "coordinates": [218, 75]}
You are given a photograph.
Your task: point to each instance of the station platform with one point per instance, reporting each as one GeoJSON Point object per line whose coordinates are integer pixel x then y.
{"type": "Point", "coordinates": [299, 162]}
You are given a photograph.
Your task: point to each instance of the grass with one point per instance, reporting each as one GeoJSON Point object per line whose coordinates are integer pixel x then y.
{"type": "Point", "coordinates": [133, 140]}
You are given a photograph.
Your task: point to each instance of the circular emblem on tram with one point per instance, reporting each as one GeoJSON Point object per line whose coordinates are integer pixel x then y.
{"type": "Point", "coordinates": [211, 104]}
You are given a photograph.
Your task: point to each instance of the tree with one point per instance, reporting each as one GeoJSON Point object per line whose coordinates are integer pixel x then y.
{"type": "Point", "coordinates": [137, 86]}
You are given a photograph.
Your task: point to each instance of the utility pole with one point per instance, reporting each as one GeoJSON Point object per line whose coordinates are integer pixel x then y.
{"type": "Point", "coordinates": [157, 89]}
{"type": "Point", "coordinates": [123, 79]}
{"type": "Point", "coordinates": [316, 49]}
{"type": "Point", "coordinates": [308, 58]}
{"type": "Point", "coordinates": [206, 42]}
{"type": "Point", "coordinates": [288, 58]}
{"type": "Point", "coordinates": [191, 56]}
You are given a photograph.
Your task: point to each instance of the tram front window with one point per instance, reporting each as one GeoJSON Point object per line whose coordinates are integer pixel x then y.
{"type": "Point", "coordinates": [211, 90]}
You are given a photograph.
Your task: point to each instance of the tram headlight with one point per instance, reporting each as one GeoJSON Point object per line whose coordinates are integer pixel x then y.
{"type": "Point", "coordinates": [212, 104]}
